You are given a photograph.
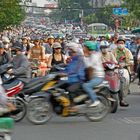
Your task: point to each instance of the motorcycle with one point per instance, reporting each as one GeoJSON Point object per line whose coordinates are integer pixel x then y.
{"type": "Point", "coordinates": [12, 88]}
{"type": "Point", "coordinates": [54, 99]}
{"type": "Point", "coordinates": [113, 78]}
{"type": "Point", "coordinates": [18, 93]}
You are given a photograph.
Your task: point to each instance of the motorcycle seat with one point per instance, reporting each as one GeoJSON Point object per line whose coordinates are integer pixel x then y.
{"type": "Point", "coordinates": [13, 84]}
{"type": "Point", "coordinates": [35, 81]}
{"type": "Point", "coordinates": [34, 88]}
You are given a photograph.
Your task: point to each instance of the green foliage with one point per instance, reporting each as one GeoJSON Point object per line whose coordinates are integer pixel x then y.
{"type": "Point", "coordinates": [11, 13]}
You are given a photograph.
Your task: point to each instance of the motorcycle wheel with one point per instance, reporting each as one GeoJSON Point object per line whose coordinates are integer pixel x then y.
{"type": "Point", "coordinates": [96, 114]}
{"type": "Point", "coordinates": [114, 105]}
{"type": "Point", "coordinates": [21, 106]}
{"type": "Point", "coordinates": [39, 111]}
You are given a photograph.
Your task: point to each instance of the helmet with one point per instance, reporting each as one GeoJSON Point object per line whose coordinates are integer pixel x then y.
{"type": "Point", "coordinates": [18, 46]}
{"type": "Point", "coordinates": [50, 37]}
{"type": "Point", "coordinates": [108, 36]}
{"type": "Point", "coordinates": [121, 39]}
{"type": "Point", "coordinates": [5, 39]}
{"type": "Point", "coordinates": [56, 45]}
{"type": "Point", "coordinates": [69, 37]}
{"type": "Point", "coordinates": [90, 45]}
{"type": "Point", "coordinates": [104, 44]}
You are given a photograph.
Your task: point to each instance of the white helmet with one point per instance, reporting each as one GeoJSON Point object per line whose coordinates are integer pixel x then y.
{"type": "Point", "coordinates": [5, 39]}
{"type": "Point", "coordinates": [104, 44]}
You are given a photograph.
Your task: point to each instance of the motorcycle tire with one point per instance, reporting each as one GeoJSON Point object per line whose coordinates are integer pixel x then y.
{"type": "Point", "coordinates": [39, 111]}
{"type": "Point", "coordinates": [114, 105]}
{"type": "Point", "coordinates": [21, 106]}
{"type": "Point", "coordinates": [99, 115]}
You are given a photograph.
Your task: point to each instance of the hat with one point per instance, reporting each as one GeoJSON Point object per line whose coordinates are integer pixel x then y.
{"type": "Point", "coordinates": [121, 39]}
{"type": "Point", "coordinates": [90, 45]}
{"type": "Point", "coordinates": [56, 45]}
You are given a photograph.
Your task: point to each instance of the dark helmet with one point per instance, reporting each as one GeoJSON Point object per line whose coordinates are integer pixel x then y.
{"type": "Point", "coordinates": [17, 46]}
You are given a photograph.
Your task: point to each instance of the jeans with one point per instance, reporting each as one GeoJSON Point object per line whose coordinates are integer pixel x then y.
{"type": "Point", "coordinates": [89, 86]}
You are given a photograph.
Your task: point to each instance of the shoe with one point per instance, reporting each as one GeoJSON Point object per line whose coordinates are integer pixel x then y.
{"type": "Point", "coordinates": [95, 103]}
{"type": "Point", "coordinates": [80, 98]}
{"type": "Point", "coordinates": [14, 112]}
{"type": "Point", "coordinates": [3, 111]}
{"type": "Point", "coordinates": [124, 104]}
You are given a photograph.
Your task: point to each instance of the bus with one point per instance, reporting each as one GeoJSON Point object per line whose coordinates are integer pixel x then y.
{"type": "Point", "coordinates": [97, 28]}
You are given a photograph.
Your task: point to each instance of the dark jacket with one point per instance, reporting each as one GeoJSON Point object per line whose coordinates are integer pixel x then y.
{"type": "Point", "coordinates": [5, 58]}
{"type": "Point", "coordinates": [22, 69]}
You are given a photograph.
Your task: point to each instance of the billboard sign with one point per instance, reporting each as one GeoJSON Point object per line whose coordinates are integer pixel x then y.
{"type": "Point", "coordinates": [120, 11]}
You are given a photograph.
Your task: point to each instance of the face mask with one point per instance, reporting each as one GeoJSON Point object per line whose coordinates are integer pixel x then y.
{"type": "Point", "coordinates": [13, 52]}
{"type": "Point", "coordinates": [6, 46]}
{"type": "Point", "coordinates": [121, 46]}
{"type": "Point", "coordinates": [105, 50]}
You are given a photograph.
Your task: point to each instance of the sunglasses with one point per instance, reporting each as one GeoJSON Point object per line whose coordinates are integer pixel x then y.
{"type": "Point", "coordinates": [57, 48]}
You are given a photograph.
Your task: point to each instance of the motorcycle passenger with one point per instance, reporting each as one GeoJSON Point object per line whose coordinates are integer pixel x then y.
{"type": "Point", "coordinates": [21, 65]}
{"type": "Point", "coordinates": [94, 64]}
{"type": "Point", "coordinates": [4, 56]}
{"type": "Point", "coordinates": [107, 56]}
{"type": "Point", "coordinates": [57, 57]}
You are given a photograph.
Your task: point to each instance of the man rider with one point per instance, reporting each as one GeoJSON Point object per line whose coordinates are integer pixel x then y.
{"type": "Point", "coordinates": [123, 54]}
{"type": "Point", "coordinates": [21, 66]}
{"type": "Point", "coordinates": [4, 56]}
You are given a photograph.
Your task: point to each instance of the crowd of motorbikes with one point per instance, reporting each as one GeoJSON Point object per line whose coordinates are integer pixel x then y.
{"type": "Point", "coordinates": [44, 96]}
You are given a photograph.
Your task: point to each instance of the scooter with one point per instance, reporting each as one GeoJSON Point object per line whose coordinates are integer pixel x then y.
{"type": "Point", "coordinates": [111, 75]}
{"type": "Point", "coordinates": [124, 77]}
{"type": "Point", "coordinates": [12, 88]}
{"type": "Point", "coordinates": [57, 100]}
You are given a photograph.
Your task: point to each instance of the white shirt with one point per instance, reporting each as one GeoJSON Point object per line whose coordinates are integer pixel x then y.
{"type": "Point", "coordinates": [95, 62]}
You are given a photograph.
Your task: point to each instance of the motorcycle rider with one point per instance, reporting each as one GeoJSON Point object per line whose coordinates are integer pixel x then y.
{"type": "Point", "coordinates": [21, 66]}
{"type": "Point", "coordinates": [93, 63]}
{"type": "Point", "coordinates": [4, 56]}
{"type": "Point", "coordinates": [122, 52]}
{"type": "Point", "coordinates": [107, 56]}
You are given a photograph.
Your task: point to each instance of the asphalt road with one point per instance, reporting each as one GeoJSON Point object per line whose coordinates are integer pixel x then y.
{"type": "Point", "coordinates": [124, 125]}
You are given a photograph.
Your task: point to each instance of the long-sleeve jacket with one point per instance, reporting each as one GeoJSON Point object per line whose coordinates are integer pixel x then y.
{"type": "Point", "coordinates": [75, 69]}
{"type": "Point", "coordinates": [22, 68]}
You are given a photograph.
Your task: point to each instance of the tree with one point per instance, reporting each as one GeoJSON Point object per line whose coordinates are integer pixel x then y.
{"type": "Point", "coordinates": [11, 13]}
{"type": "Point", "coordinates": [133, 7]}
